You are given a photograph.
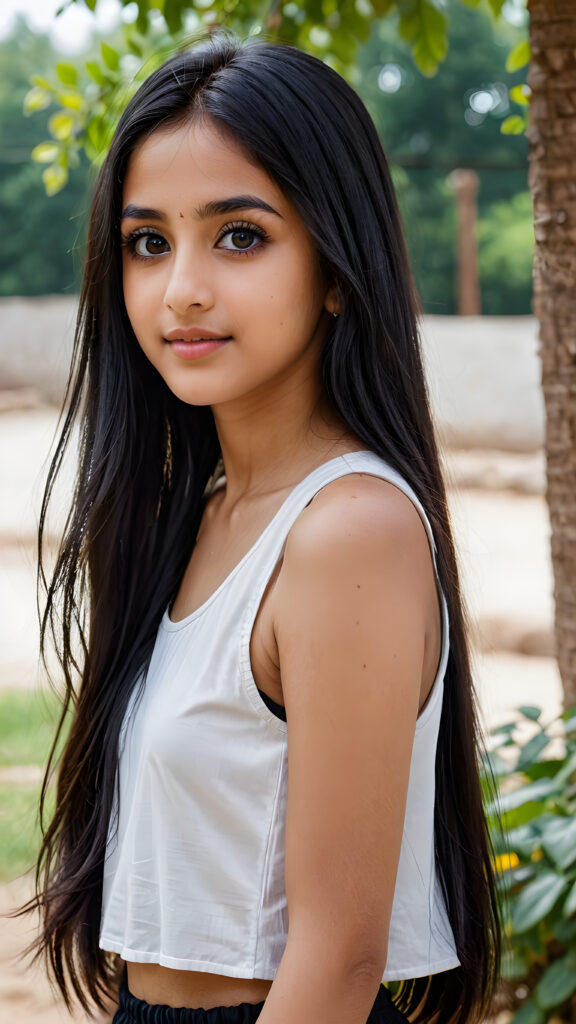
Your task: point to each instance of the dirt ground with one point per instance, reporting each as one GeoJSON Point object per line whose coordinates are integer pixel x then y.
{"type": "Point", "coordinates": [25, 996]}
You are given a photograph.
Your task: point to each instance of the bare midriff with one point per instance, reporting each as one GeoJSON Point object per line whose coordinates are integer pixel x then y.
{"type": "Point", "coordinates": [193, 989]}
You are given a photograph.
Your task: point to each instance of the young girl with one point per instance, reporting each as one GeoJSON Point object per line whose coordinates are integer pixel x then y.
{"type": "Point", "coordinates": [268, 802]}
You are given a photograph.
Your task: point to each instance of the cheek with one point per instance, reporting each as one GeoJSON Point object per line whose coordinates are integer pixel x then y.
{"type": "Point", "coordinates": [130, 291]}
{"type": "Point", "coordinates": [139, 296]}
{"type": "Point", "coordinates": [290, 288]}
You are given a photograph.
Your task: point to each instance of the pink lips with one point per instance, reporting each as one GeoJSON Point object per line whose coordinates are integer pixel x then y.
{"type": "Point", "coordinates": [194, 342]}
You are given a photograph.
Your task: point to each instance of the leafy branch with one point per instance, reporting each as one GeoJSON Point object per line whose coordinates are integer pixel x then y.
{"type": "Point", "coordinates": [89, 99]}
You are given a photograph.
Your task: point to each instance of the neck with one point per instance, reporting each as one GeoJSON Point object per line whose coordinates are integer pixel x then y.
{"type": "Point", "coordinates": [269, 440]}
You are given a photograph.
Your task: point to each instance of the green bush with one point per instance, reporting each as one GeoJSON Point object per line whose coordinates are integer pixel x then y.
{"type": "Point", "coordinates": [536, 863]}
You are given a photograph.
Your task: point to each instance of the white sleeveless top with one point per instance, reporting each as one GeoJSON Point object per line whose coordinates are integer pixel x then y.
{"type": "Point", "coordinates": [194, 872]}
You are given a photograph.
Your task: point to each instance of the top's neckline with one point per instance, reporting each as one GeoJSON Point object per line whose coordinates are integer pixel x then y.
{"type": "Point", "coordinates": [168, 624]}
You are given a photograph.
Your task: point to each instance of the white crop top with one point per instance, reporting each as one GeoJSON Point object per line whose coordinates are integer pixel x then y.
{"type": "Point", "coordinates": [194, 871]}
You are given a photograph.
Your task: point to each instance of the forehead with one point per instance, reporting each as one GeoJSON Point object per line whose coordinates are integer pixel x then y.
{"type": "Point", "coordinates": [192, 163]}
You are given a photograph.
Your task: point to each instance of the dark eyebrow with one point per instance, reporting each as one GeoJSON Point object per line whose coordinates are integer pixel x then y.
{"type": "Point", "coordinates": [214, 209]}
{"type": "Point", "coordinates": [223, 206]}
{"type": "Point", "coordinates": [141, 213]}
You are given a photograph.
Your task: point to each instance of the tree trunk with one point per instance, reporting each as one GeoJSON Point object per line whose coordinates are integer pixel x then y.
{"type": "Point", "coordinates": [552, 137]}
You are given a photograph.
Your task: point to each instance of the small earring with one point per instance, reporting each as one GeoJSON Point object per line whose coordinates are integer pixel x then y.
{"type": "Point", "coordinates": [335, 315]}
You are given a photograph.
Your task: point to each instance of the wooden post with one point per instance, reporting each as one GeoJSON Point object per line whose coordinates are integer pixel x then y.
{"type": "Point", "coordinates": [465, 184]}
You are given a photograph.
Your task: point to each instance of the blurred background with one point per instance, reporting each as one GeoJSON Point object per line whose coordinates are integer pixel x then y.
{"type": "Point", "coordinates": [463, 192]}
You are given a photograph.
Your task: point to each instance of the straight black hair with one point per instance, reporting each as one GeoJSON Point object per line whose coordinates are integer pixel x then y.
{"type": "Point", "coordinates": [145, 459]}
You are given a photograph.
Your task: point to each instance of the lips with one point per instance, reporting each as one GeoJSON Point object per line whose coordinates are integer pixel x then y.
{"type": "Point", "coordinates": [194, 334]}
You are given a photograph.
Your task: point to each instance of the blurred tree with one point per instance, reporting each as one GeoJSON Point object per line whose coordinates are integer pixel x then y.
{"type": "Point", "coordinates": [506, 237]}
{"type": "Point", "coordinates": [89, 102]}
{"type": "Point", "coordinates": [430, 126]}
{"type": "Point", "coordinates": [38, 237]}
{"type": "Point", "coordinates": [31, 265]}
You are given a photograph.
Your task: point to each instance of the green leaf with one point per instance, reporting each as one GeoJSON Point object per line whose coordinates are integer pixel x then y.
{"type": "Point", "coordinates": [67, 74]}
{"type": "Point", "coordinates": [521, 94]}
{"type": "Point", "coordinates": [496, 7]}
{"type": "Point", "coordinates": [110, 56]}
{"type": "Point", "coordinates": [529, 1014]}
{"type": "Point", "coordinates": [425, 28]}
{"type": "Point", "coordinates": [54, 178]}
{"type": "Point", "coordinates": [97, 131]}
{"type": "Point", "coordinates": [557, 983]}
{"type": "Point", "coordinates": [42, 83]}
{"type": "Point", "coordinates": [545, 769]}
{"type": "Point", "coordinates": [524, 815]}
{"type": "Point", "coordinates": [518, 58]}
{"type": "Point", "coordinates": [565, 930]}
{"type": "Point", "coordinates": [96, 73]}
{"type": "Point", "coordinates": [559, 841]}
{"type": "Point", "coordinates": [506, 729]}
{"type": "Point", "coordinates": [72, 100]}
{"type": "Point", "coordinates": [133, 45]}
{"type": "Point", "coordinates": [91, 4]}
{"type": "Point", "coordinates": [532, 750]}
{"type": "Point", "coordinates": [45, 153]}
{"type": "Point", "coordinates": [173, 15]}
{"type": "Point", "coordinates": [534, 791]}
{"type": "Point", "coordinates": [530, 711]}
{"type": "Point", "coordinates": [514, 125]}
{"type": "Point", "coordinates": [536, 900]}
{"type": "Point", "coordinates": [36, 99]}
{"type": "Point", "coordinates": [61, 126]}
{"type": "Point", "coordinates": [569, 907]}
{"type": "Point", "coordinates": [142, 19]}
{"type": "Point", "coordinates": [567, 768]}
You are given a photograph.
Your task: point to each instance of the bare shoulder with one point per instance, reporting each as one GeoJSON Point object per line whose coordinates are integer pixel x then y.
{"type": "Point", "coordinates": [360, 515]}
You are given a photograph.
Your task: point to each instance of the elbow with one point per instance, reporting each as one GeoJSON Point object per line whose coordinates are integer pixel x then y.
{"type": "Point", "coordinates": [344, 957]}
{"type": "Point", "coordinates": [366, 968]}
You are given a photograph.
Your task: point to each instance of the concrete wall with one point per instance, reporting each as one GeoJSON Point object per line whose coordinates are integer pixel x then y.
{"type": "Point", "coordinates": [483, 372]}
{"type": "Point", "coordinates": [484, 378]}
{"type": "Point", "coordinates": [35, 343]}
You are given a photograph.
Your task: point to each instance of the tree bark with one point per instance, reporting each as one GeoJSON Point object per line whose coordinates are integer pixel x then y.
{"type": "Point", "coordinates": [552, 177]}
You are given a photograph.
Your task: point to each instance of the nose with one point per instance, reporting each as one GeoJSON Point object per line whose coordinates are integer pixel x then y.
{"type": "Point", "coordinates": [188, 284]}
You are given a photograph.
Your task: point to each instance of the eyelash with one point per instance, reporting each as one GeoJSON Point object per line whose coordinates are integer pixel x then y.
{"type": "Point", "coordinates": [129, 241]}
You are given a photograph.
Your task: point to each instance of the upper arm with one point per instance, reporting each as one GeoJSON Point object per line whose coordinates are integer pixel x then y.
{"type": "Point", "coordinates": [351, 606]}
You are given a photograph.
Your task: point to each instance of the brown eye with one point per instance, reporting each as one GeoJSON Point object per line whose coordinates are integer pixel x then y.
{"type": "Point", "coordinates": [242, 239]}
{"type": "Point", "coordinates": [150, 245]}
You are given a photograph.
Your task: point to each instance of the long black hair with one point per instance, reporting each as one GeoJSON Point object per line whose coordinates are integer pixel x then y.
{"type": "Point", "coordinates": [145, 459]}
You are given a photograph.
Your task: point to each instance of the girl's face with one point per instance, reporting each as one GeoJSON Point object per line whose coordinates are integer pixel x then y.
{"type": "Point", "coordinates": [221, 278]}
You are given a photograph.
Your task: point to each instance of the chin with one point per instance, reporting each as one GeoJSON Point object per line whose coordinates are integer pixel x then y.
{"type": "Point", "coordinates": [190, 398]}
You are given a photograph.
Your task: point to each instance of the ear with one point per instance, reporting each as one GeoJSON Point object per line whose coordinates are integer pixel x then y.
{"type": "Point", "coordinates": [332, 302]}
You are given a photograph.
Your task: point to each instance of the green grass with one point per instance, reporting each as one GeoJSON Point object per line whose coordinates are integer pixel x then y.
{"type": "Point", "coordinates": [27, 726]}
{"type": "Point", "coordinates": [19, 829]}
